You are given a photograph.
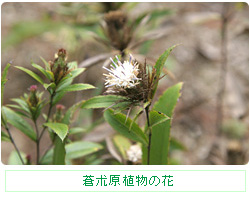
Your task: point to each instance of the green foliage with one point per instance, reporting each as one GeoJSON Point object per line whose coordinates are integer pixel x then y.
{"type": "Point", "coordinates": [74, 150]}
{"type": "Point", "coordinates": [78, 87]}
{"type": "Point", "coordinates": [14, 159]}
{"type": "Point", "coordinates": [77, 130]}
{"type": "Point", "coordinates": [176, 145]}
{"type": "Point", "coordinates": [234, 128]}
{"type": "Point", "coordinates": [119, 123]}
{"type": "Point", "coordinates": [27, 29]}
{"type": "Point", "coordinates": [5, 137]}
{"type": "Point", "coordinates": [69, 113]}
{"type": "Point", "coordinates": [59, 128]}
{"type": "Point", "coordinates": [160, 64]}
{"type": "Point", "coordinates": [17, 121]}
{"type": "Point", "coordinates": [122, 144]}
{"type": "Point", "coordinates": [59, 152]}
{"type": "Point", "coordinates": [156, 118]}
{"type": "Point", "coordinates": [31, 73]}
{"type": "Point", "coordinates": [160, 140]}
{"type": "Point", "coordinates": [103, 101]}
{"type": "Point", "coordinates": [4, 80]}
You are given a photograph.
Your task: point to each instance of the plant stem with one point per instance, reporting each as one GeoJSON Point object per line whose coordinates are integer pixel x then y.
{"type": "Point", "coordinates": [48, 115]}
{"type": "Point", "coordinates": [149, 135]}
{"type": "Point", "coordinates": [37, 144]}
{"type": "Point", "coordinates": [47, 150]}
{"type": "Point", "coordinates": [14, 144]}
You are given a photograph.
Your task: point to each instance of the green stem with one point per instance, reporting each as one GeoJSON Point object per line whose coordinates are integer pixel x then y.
{"type": "Point", "coordinates": [149, 135]}
{"type": "Point", "coordinates": [48, 115]}
{"type": "Point", "coordinates": [14, 144]}
{"type": "Point", "coordinates": [37, 144]}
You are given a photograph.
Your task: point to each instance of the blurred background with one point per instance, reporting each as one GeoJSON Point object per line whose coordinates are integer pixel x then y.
{"type": "Point", "coordinates": [211, 121]}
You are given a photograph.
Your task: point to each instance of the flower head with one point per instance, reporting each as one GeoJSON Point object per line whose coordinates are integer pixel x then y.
{"type": "Point", "coordinates": [33, 88]}
{"type": "Point", "coordinates": [122, 75]}
{"type": "Point", "coordinates": [134, 153]}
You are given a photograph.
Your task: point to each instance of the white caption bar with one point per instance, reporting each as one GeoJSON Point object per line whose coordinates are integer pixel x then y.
{"type": "Point", "coordinates": [162, 181]}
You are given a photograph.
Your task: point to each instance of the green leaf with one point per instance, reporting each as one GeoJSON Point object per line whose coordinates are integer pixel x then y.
{"type": "Point", "coordinates": [23, 105]}
{"type": "Point", "coordinates": [76, 130]}
{"type": "Point", "coordinates": [118, 122]}
{"type": "Point", "coordinates": [59, 152]}
{"type": "Point", "coordinates": [76, 72]}
{"type": "Point", "coordinates": [17, 121]}
{"type": "Point", "coordinates": [122, 144]}
{"type": "Point", "coordinates": [47, 67]}
{"type": "Point", "coordinates": [160, 139]}
{"type": "Point", "coordinates": [78, 87]}
{"type": "Point", "coordinates": [156, 118]}
{"type": "Point", "coordinates": [58, 97]}
{"type": "Point", "coordinates": [59, 128]}
{"type": "Point", "coordinates": [15, 160]}
{"type": "Point", "coordinates": [102, 101]}
{"type": "Point", "coordinates": [5, 137]}
{"type": "Point", "coordinates": [74, 150]}
{"type": "Point", "coordinates": [65, 82]}
{"type": "Point", "coordinates": [72, 65]}
{"type": "Point", "coordinates": [32, 74]}
{"type": "Point", "coordinates": [41, 69]}
{"type": "Point", "coordinates": [69, 113]}
{"type": "Point", "coordinates": [79, 149]}
{"type": "Point", "coordinates": [176, 145]}
{"type": "Point", "coordinates": [4, 80]}
{"type": "Point", "coordinates": [46, 85]}
{"type": "Point", "coordinates": [160, 64]}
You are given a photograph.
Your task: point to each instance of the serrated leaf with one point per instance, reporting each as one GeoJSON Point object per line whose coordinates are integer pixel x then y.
{"type": "Point", "coordinates": [161, 132]}
{"type": "Point", "coordinates": [17, 121]}
{"type": "Point", "coordinates": [77, 87]}
{"type": "Point", "coordinates": [65, 82]}
{"type": "Point", "coordinates": [160, 64]}
{"type": "Point", "coordinates": [118, 122]}
{"type": "Point", "coordinates": [59, 128]}
{"type": "Point", "coordinates": [32, 74]}
{"type": "Point", "coordinates": [41, 69]}
{"type": "Point", "coordinates": [23, 105]}
{"type": "Point", "coordinates": [156, 117]}
{"type": "Point", "coordinates": [76, 72]}
{"type": "Point", "coordinates": [5, 137]}
{"type": "Point", "coordinates": [102, 101]}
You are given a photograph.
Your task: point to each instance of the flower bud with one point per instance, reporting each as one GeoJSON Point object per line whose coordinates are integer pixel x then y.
{"type": "Point", "coordinates": [33, 88]}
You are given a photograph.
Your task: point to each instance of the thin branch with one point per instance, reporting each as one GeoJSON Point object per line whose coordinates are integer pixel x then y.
{"type": "Point", "coordinates": [14, 144]}
{"type": "Point", "coordinates": [150, 133]}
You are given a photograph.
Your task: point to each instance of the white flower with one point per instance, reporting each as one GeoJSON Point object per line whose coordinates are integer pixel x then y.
{"type": "Point", "coordinates": [134, 153]}
{"type": "Point", "coordinates": [123, 75]}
